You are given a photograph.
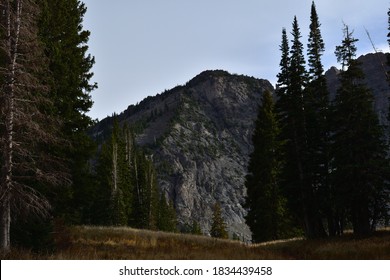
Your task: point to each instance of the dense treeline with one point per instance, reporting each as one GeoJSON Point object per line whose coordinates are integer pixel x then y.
{"type": "Point", "coordinates": [318, 165]}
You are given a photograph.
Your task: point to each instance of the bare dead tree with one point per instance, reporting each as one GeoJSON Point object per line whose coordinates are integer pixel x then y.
{"type": "Point", "coordinates": [28, 123]}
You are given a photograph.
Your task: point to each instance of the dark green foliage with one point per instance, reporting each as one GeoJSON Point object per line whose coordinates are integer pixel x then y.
{"type": "Point", "coordinates": [126, 193]}
{"type": "Point", "coordinates": [284, 74]}
{"type": "Point", "coordinates": [316, 46]}
{"type": "Point", "coordinates": [114, 186]}
{"type": "Point", "coordinates": [65, 44]}
{"type": "Point", "coordinates": [34, 233]}
{"type": "Point", "coordinates": [360, 168]}
{"type": "Point", "coordinates": [317, 131]}
{"type": "Point", "coordinates": [218, 226]}
{"type": "Point", "coordinates": [388, 28]}
{"type": "Point", "coordinates": [336, 170]}
{"type": "Point", "coordinates": [145, 195]}
{"type": "Point", "coordinates": [267, 211]}
{"type": "Point", "coordinates": [346, 52]}
{"type": "Point", "coordinates": [293, 109]}
{"type": "Point", "coordinates": [195, 229]}
{"type": "Point", "coordinates": [166, 220]}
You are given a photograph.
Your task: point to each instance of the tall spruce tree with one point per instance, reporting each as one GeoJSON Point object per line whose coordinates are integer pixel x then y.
{"type": "Point", "coordinates": [284, 74]}
{"type": "Point", "coordinates": [267, 213]}
{"type": "Point", "coordinates": [28, 124]}
{"type": "Point", "coordinates": [360, 168]}
{"type": "Point", "coordinates": [65, 44]}
{"type": "Point", "coordinates": [317, 127]}
{"type": "Point", "coordinates": [316, 47]}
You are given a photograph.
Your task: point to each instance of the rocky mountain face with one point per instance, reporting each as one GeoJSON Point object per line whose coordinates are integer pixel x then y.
{"type": "Point", "coordinates": [199, 136]}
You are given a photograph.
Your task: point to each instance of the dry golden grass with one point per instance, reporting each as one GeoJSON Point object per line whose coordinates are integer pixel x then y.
{"type": "Point", "coordinates": [347, 247]}
{"type": "Point", "coordinates": [100, 243]}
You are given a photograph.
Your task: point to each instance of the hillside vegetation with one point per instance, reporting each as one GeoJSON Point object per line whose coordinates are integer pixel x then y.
{"type": "Point", "coordinates": [109, 243]}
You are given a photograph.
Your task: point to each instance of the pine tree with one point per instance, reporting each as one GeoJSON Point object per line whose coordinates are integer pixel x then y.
{"type": "Point", "coordinates": [166, 216]}
{"type": "Point", "coordinates": [218, 226]}
{"type": "Point", "coordinates": [317, 127]}
{"type": "Point", "coordinates": [65, 44]}
{"type": "Point", "coordinates": [27, 124]}
{"type": "Point", "coordinates": [295, 123]}
{"type": "Point", "coordinates": [284, 74]}
{"type": "Point", "coordinates": [195, 228]}
{"type": "Point", "coordinates": [266, 216]}
{"type": "Point", "coordinates": [316, 47]}
{"type": "Point", "coordinates": [388, 28]}
{"type": "Point", "coordinates": [360, 168]}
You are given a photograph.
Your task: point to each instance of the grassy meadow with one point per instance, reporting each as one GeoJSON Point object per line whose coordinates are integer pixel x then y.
{"type": "Point", "coordinates": [103, 243]}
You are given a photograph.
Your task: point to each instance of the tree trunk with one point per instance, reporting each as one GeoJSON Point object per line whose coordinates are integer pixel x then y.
{"type": "Point", "coordinates": [12, 41]}
{"type": "Point", "coordinates": [5, 212]}
{"type": "Point", "coordinates": [114, 167]}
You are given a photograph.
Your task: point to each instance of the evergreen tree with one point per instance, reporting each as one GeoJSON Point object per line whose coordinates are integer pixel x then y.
{"type": "Point", "coordinates": [27, 124]}
{"type": "Point", "coordinates": [195, 228]}
{"type": "Point", "coordinates": [360, 168]}
{"type": "Point", "coordinates": [266, 216]}
{"type": "Point", "coordinates": [317, 127]}
{"type": "Point", "coordinates": [388, 28]}
{"type": "Point", "coordinates": [284, 74]}
{"type": "Point", "coordinates": [166, 220]}
{"type": "Point", "coordinates": [65, 44]}
{"type": "Point", "coordinates": [218, 226]}
{"type": "Point", "coordinates": [316, 47]}
{"type": "Point", "coordinates": [295, 126]}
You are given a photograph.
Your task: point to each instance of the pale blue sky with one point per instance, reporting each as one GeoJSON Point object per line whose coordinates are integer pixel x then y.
{"type": "Point", "coordinates": [143, 47]}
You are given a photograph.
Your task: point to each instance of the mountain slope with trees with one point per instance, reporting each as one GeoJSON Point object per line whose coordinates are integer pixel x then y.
{"type": "Point", "coordinates": [200, 137]}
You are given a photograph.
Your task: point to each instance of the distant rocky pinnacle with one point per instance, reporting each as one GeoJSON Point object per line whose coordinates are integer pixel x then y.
{"type": "Point", "coordinates": [200, 138]}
